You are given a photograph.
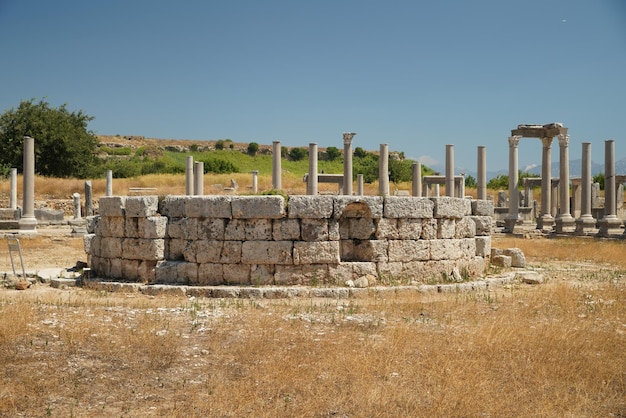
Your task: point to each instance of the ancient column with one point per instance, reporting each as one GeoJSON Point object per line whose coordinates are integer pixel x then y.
{"type": "Point", "coordinates": [277, 183]}
{"type": "Point", "coordinates": [610, 223]}
{"type": "Point", "coordinates": [585, 224]}
{"type": "Point", "coordinates": [255, 181]}
{"type": "Point", "coordinates": [450, 170]}
{"type": "Point", "coordinates": [109, 183]}
{"type": "Point", "coordinates": [564, 221]}
{"type": "Point", "coordinates": [311, 184]}
{"type": "Point", "coordinates": [417, 180]}
{"type": "Point", "coordinates": [77, 214]}
{"type": "Point", "coordinates": [13, 196]}
{"type": "Point", "coordinates": [189, 176]}
{"type": "Point", "coordinates": [482, 173]}
{"type": "Point", "coordinates": [383, 170]}
{"type": "Point", "coordinates": [347, 162]}
{"type": "Point", "coordinates": [28, 222]}
{"type": "Point", "coordinates": [545, 220]}
{"type": "Point", "coordinates": [513, 216]}
{"type": "Point", "coordinates": [88, 198]}
{"type": "Point", "coordinates": [359, 184]}
{"type": "Point", "coordinates": [198, 183]}
{"type": "Point", "coordinates": [437, 193]}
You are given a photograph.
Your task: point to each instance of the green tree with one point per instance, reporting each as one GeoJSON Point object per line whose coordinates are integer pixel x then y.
{"type": "Point", "coordinates": [599, 178]}
{"type": "Point", "coordinates": [297, 154]}
{"type": "Point", "coordinates": [470, 182]}
{"type": "Point", "coordinates": [332, 153]}
{"type": "Point", "coordinates": [64, 147]}
{"type": "Point", "coordinates": [219, 145]}
{"type": "Point", "coordinates": [253, 148]}
{"type": "Point", "coordinates": [360, 152]}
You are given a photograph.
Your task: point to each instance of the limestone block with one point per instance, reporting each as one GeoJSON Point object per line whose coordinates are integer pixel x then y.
{"type": "Point", "coordinates": [187, 273]}
{"type": "Point", "coordinates": [446, 228]}
{"type": "Point", "coordinates": [131, 228]}
{"type": "Point", "coordinates": [210, 274]}
{"type": "Point", "coordinates": [262, 274]}
{"type": "Point", "coordinates": [452, 249]}
{"type": "Point", "coordinates": [358, 207]}
{"type": "Point", "coordinates": [166, 272]}
{"type": "Point", "coordinates": [253, 207]}
{"type": "Point", "coordinates": [409, 250]}
{"type": "Point", "coordinates": [111, 247]}
{"type": "Point", "coordinates": [115, 268]}
{"type": "Point", "coordinates": [387, 228]}
{"type": "Point", "coordinates": [501, 261]}
{"type": "Point", "coordinates": [91, 244]}
{"type": "Point", "coordinates": [141, 206]}
{"type": "Point", "coordinates": [451, 207]}
{"type": "Point", "coordinates": [314, 229]}
{"type": "Point", "coordinates": [211, 229]}
{"type": "Point", "coordinates": [465, 228]}
{"type": "Point", "coordinates": [99, 266]}
{"type": "Point", "coordinates": [173, 206]}
{"type": "Point", "coordinates": [408, 207]}
{"type": "Point", "coordinates": [389, 270]}
{"type": "Point", "coordinates": [482, 208]}
{"type": "Point", "coordinates": [323, 252]}
{"type": "Point", "coordinates": [361, 228]}
{"type": "Point", "coordinates": [310, 207]}
{"type": "Point", "coordinates": [149, 227]}
{"type": "Point", "coordinates": [92, 223]}
{"type": "Point", "coordinates": [208, 206]}
{"type": "Point", "coordinates": [333, 230]}
{"type": "Point", "coordinates": [203, 251]}
{"type": "Point", "coordinates": [237, 273]}
{"type": "Point", "coordinates": [231, 252]}
{"type": "Point", "coordinates": [267, 252]}
{"type": "Point", "coordinates": [304, 274]}
{"type": "Point", "coordinates": [111, 206]}
{"type": "Point", "coordinates": [429, 228]}
{"type": "Point", "coordinates": [286, 229]}
{"type": "Point", "coordinates": [484, 225]}
{"type": "Point", "coordinates": [364, 250]}
{"type": "Point", "coordinates": [112, 226]}
{"type": "Point", "coordinates": [529, 277]}
{"type": "Point", "coordinates": [258, 229]}
{"type": "Point", "coordinates": [340, 273]}
{"type": "Point", "coordinates": [175, 248]}
{"type": "Point", "coordinates": [483, 246]}
{"type": "Point", "coordinates": [129, 270]}
{"type": "Point", "coordinates": [517, 257]}
{"type": "Point", "coordinates": [496, 251]}
{"type": "Point", "coordinates": [235, 230]}
{"type": "Point", "coordinates": [146, 271]}
{"type": "Point", "coordinates": [186, 228]}
{"type": "Point", "coordinates": [143, 249]}
{"type": "Point", "coordinates": [410, 228]}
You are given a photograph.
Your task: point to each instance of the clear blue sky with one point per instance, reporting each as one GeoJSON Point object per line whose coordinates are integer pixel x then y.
{"type": "Point", "coordinates": [414, 74]}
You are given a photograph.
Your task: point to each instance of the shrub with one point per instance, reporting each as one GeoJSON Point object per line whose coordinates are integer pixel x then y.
{"type": "Point", "coordinates": [297, 154]}
{"type": "Point", "coordinates": [253, 148]}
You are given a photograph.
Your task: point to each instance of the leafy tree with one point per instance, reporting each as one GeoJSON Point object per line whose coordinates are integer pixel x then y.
{"type": "Point", "coordinates": [253, 148]}
{"type": "Point", "coordinates": [218, 166]}
{"type": "Point", "coordinates": [400, 170]}
{"type": "Point", "coordinates": [360, 152]}
{"type": "Point", "coordinates": [470, 182]}
{"type": "Point", "coordinates": [63, 145]}
{"type": "Point", "coordinates": [297, 154]}
{"type": "Point", "coordinates": [219, 145]}
{"type": "Point", "coordinates": [599, 178]}
{"type": "Point", "coordinates": [332, 153]}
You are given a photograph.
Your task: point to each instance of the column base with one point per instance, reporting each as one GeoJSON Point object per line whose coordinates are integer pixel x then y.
{"type": "Point", "coordinates": [586, 225]}
{"type": "Point", "coordinates": [510, 223]}
{"type": "Point", "coordinates": [610, 225]}
{"type": "Point", "coordinates": [545, 222]}
{"type": "Point", "coordinates": [565, 223]}
{"type": "Point", "coordinates": [28, 225]}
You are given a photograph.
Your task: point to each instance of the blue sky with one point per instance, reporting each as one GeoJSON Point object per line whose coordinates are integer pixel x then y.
{"type": "Point", "coordinates": [414, 74]}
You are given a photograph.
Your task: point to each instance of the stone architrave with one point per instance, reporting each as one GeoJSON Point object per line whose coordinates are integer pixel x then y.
{"type": "Point", "coordinates": [277, 183]}
{"type": "Point", "coordinates": [383, 170]}
{"type": "Point", "coordinates": [450, 170]}
{"type": "Point", "coordinates": [545, 220]}
{"type": "Point", "coordinates": [482, 173]}
{"type": "Point", "coordinates": [585, 224]}
{"type": "Point", "coordinates": [512, 218]}
{"type": "Point", "coordinates": [347, 162]}
{"type": "Point", "coordinates": [28, 222]}
{"type": "Point", "coordinates": [564, 221]}
{"type": "Point", "coordinates": [311, 184]}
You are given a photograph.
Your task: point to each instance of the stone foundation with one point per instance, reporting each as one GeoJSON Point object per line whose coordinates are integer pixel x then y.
{"type": "Point", "coordinates": [307, 240]}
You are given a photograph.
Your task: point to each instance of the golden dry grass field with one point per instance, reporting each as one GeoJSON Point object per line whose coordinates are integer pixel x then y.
{"type": "Point", "coordinates": [551, 350]}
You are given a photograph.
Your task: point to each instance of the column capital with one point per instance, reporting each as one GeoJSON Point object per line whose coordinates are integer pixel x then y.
{"type": "Point", "coordinates": [347, 138]}
{"type": "Point", "coordinates": [514, 141]}
{"type": "Point", "coordinates": [563, 140]}
{"type": "Point", "coordinates": [547, 141]}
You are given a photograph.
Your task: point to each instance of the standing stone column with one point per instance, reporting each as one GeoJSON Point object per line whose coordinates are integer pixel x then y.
{"type": "Point", "coordinates": [545, 220]}
{"type": "Point", "coordinates": [450, 170]}
{"type": "Point", "coordinates": [513, 216]}
{"type": "Point", "coordinates": [189, 176]}
{"type": "Point", "coordinates": [482, 173]}
{"type": "Point", "coordinates": [585, 224]}
{"type": "Point", "coordinates": [277, 183]}
{"type": "Point", "coordinates": [311, 184]}
{"type": "Point", "coordinates": [28, 222]}
{"type": "Point", "coordinates": [77, 214]}
{"type": "Point", "coordinates": [198, 183]}
{"type": "Point", "coordinates": [417, 180]}
{"type": "Point", "coordinates": [109, 183]}
{"type": "Point", "coordinates": [564, 222]}
{"type": "Point", "coordinates": [383, 170]}
{"type": "Point", "coordinates": [359, 184]}
{"type": "Point", "coordinates": [13, 196]}
{"type": "Point", "coordinates": [347, 162]}
{"type": "Point", "coordinates": [88, 198]}
{"type": "Point", "coordinates": [255, 181]}
{"type": "Point", "coordinates": [610, 223]}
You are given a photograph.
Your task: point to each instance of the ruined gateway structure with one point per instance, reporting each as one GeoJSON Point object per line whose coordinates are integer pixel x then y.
{"type": "Point", "coordinates": [304, 240]}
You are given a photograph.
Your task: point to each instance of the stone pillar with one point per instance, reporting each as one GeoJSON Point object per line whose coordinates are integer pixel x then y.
{"type": "Point", "coordinates": [198, 174]}
{"type": "Point", "coordinates": [359, 184]}
{"type": "Point", "coordinates": [255, 181]}
{"type": "Point", "coordinates": [109, 183]}
{"type": "Point", "coordinates": [417, 180]}
{"type": "Point", "coordinates": [461, 189]}
{"type": "Point", "coordinates": [189, 176]}
{"type": "Point", "coordinates": [347, 162]}
{"type": "Point", "coordinates": [88, 198]}
{"type": "Point", "coordinates": [13, 196]}
{"type": "Point", "coordinates": [450, 170]}
{"type": "Point", "coordinates": [277, 183]}
{"type": "Point", "coordinates": [383, 170]}
{"type": "Point", "coordinates": [513, 216]}
{"type": "Point", "coordinates": [545, 220]}
{"type": "Point", "coordinates": [610, 223]}
{"type": "Point", "coordinates": [436, 192]}
{"type": "Point", "coordinates": [482, 173]}
{"type": "Point", "coordinates": [585, 224]}
{"type": "Point", "coordinates": [77, 214]}
{"type": "Point", "coordinates": [564, 221]}
{"type": "Point", "coordinates": [28, 222]}
{"type": "Point", "coordinates": [311, 184]}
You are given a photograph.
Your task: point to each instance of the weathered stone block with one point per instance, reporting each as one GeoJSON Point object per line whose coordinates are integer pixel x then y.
{"type": "Point", "coordinates": [115, 268]}
{"type": "Point", "coordinates": [286, 229]}
{"type": "Point", "coordinates": [361, 228]}
{"type": "Point", "coordinates": [254, 207]}
{"type": "Point", "coordinates": [91, 244]}
{"type": "Point", "coordinates": [186, 228]}
{"type": "Point", "coordinates": [187, 273]}
{"type": "Point", "coordinates": [304, 274]}
{"type": "Point", "coordinates": [141, 206]}
{"type": "Point", "coordinates": [210, 274]}
{"type": "Point", "coordinates": [429, 228]}
{"type": "Point", "coordinates": [409, 250]}
{"type": "Point", "coordinates": [482, 207]}
{"type": "Point", "coordinates": [237, 274]}
{"type": "Point", "coordinates": [261, 274]}
{"type": "Point", "coordinates": [517, 257]}
{"type": "Point", "coordinates": [452, 249]}
{"type": "Point", "coordinates": [173, 206]}
{"type": "Point", "coordinates": [314, 229]}
{"type": "Point", "coordinates": [167, 272]}
{"type": "Point", "coordinates": [484, 225]}
{"type": "Point", "coordinates": [231, 252]}
{"type": "Point", "coordinates": [203, 251]}
{"type": "Point", "coordinates": [501, 261]}
{"type": "Point", "coordinates": [311, 207]}
{"type": "Point", "coordinates": [410, 228]}
{"type": "Point", "coordinates": [211, 229]}
{"type": "Point", "coordinates": [129, 270]}
{"type": "Point", "coordinates": [267, 252]}
{"type": "Point", "coordinates": [175, 248]}
{"type": "Point", "coordinates": [465, 228]}
{"type": "Point", "coordinates": [451, 207]}
{"type": "Point", "coordinates": [387, 228]}
{"type": "Point", "coordinates": [146, 271]}
{"type": "Point", "coordinates": [208, 207]}
{"type": "Point", "coordinates": [333, 230]}
{"type": "Point", "coordinates": [358, 207]}
{"type": "Point", "coordinates": [483, 246]}
{"type": "Point", "coordinates": [149, 227]}
{"type": "Point", "coordinates": [111, 206]}
{"type": "Point", "coordinates": [258, 229]}
{"type": "Point", "coordinates": [235, 230]}
{"type": "Point", "coordinates": [143, 249]}
{"type": "Point", "coordinates": [408, 207]}
{"type": "Point", "coordinates": [342, 272]}
{"type": "Point", "coordinates": [364, 250]}
{"type": "Point", "coordinates": [446, 228]}
{"type": "Point", "coordinates": [112, 226]}
{"type": "Point", "coordinates": [111, 247]}
{"type": "Point", "coordinates": [323, 252]}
